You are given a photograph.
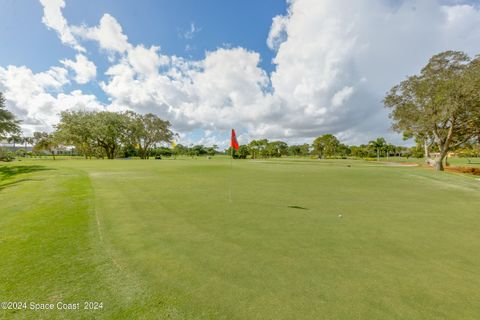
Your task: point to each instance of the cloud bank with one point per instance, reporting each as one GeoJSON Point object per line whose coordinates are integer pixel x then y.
{"type": "Point", "coordinates": [334, 61]}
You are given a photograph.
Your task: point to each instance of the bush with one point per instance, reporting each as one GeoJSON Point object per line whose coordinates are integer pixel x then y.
{"type": "Point", "coordinates": [467, 153]}
{"type": "Point", "coordinates": [129, 151]}
{"type": "Point", "coordinates": [21, 153]}
{"type": "Point", "coordinates": [417, 152]}
{"type": "Point", "coordinates": [6, 155]}
{"type": "Point", "coordinates": [162, 152]}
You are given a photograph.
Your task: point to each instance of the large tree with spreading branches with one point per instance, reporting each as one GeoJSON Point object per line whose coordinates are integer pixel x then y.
{"type": "Point", "coordinates": [8, 123]}
{"type": "Point", "coordinates": [441, 104]}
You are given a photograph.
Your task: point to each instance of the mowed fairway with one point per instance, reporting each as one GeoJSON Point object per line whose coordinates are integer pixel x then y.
{"type": "Point", "coordinates": [277, 239]}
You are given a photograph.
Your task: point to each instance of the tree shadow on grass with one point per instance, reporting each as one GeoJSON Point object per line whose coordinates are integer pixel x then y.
{"type": "Point", "coordinates": [10, 172]}
{"type": "Point", "coordinates": [7, 172]}
{"type": "Point", "coordinates": [12, 183]}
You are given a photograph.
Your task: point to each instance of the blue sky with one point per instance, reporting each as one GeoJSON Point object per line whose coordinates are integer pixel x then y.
{"type": "Point", "coordinates": [238, 23]}
{"type": "Point", "coordinates": [217, 24]}
{"type": "Point", "coordinates": [274, 69]}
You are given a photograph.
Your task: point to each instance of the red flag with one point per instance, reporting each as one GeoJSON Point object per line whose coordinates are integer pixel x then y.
{"type": "Point", "coordinates": [234, 142]}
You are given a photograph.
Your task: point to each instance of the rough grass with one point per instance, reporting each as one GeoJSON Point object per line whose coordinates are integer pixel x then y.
{"type": "Point", "coordinates": [473, 162]}
{"type": "Point", "coordinates": [201, 239]}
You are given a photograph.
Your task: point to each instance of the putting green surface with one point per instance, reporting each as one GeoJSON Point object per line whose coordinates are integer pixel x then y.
{"type": "Point", "coordinates": [204, 239]}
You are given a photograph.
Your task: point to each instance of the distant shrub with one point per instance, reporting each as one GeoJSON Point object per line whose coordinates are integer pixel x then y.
{"type": "Point", "coordinates": [467, 153]}
{"type": "Point", "coordinates": [20, 153]}
{"type": "Point", "coordinates": [6, 155]}
{"type": "Point", "coordinates": [417, 152]}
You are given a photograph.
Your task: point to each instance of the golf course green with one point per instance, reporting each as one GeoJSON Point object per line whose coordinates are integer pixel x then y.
{"type": "Point", "coordinates": [244, 239]}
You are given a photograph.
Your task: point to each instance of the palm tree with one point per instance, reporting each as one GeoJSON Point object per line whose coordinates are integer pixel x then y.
{"type": "Point", "coordinates": [14, 139]}
{"type": "Point", "coordinates": [27, 140]}
{"type": "Point", "coordinates": [378, 145]}
{"type": "Point", "coordinates": [45, 141]}
{"type": "Point", "coordinates": [389, 148]}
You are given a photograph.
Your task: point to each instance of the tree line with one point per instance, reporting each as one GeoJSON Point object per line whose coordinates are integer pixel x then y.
{"type": "Point", "coordinates": [106, 134]}
{"type": "Point", "coordinates": [94, 134]}
{"type": "Point", "coordinates": [439, 108]}
{"type": "Point", "coordinates": [326, 146]}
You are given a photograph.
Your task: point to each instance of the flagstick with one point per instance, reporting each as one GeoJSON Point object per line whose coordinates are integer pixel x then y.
{"type": "Point", "coordinates": [230, 180]}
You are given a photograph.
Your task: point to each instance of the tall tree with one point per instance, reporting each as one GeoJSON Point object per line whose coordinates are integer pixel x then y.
{"type": "Point", "coordinates": [14, 139]}
{"type": "Point", "coordinates": [276, 149]}
{"type": "Point", "coordinates": [45, 141]}
{"type": "Point", "coordinates": [305, 149]}
{"type": "Point", "coordinates": [146, 130]}
{"type": "Point", "coordinates": [211, 151]}
{"type": "Point", "coordinates": [8, 124]}
{"type": "Point", "coordinates": [28, 140]}
{"type": "Point", "coordinates": [109, 131]}
{"type": "Point", "coordinates": [378, 145]}
{"type": "Point", "coordinates": [294, 150]}
{"type": "Point", "coordinates": [443, 102]}
{"type": "Point", "coordinates": [360, 151]}
{"type": "Point", "coordinates": [258, 148]}
{"type": "Point", "coordinates": [343, 150]}
{"type": "Point", "coordinates": [76, 128]}
{"type": "Point", "coordinates": [326, 145]}
{"type": "Point", "coordinates": [299, 150]}
{"type": "Point", "coordinates": [179, 149]}
{"type": "Point", "coordinates": [243, 151]}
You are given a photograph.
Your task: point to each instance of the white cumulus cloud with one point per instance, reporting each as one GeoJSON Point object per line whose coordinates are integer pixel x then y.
{"type": "Point", "coordinates": [109, 34]}
{"type": "Point", "coordinates": [277, 33]}
{"type": "Point", "coordinates": [349, 53]}
{"type": "Point", "coordinates": [334, 61]}
{"type": "Point", "coordinates": [54, 19]}
{"type": "Point", "coordinates": [37, 98]}
{"type": "Point", "coordinates": [85, 69]}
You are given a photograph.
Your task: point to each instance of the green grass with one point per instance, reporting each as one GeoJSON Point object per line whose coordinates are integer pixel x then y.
{"type": "Point", "coordinates": [201, 239]}
{"type": "Point", "coordinates": [455, 162]}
